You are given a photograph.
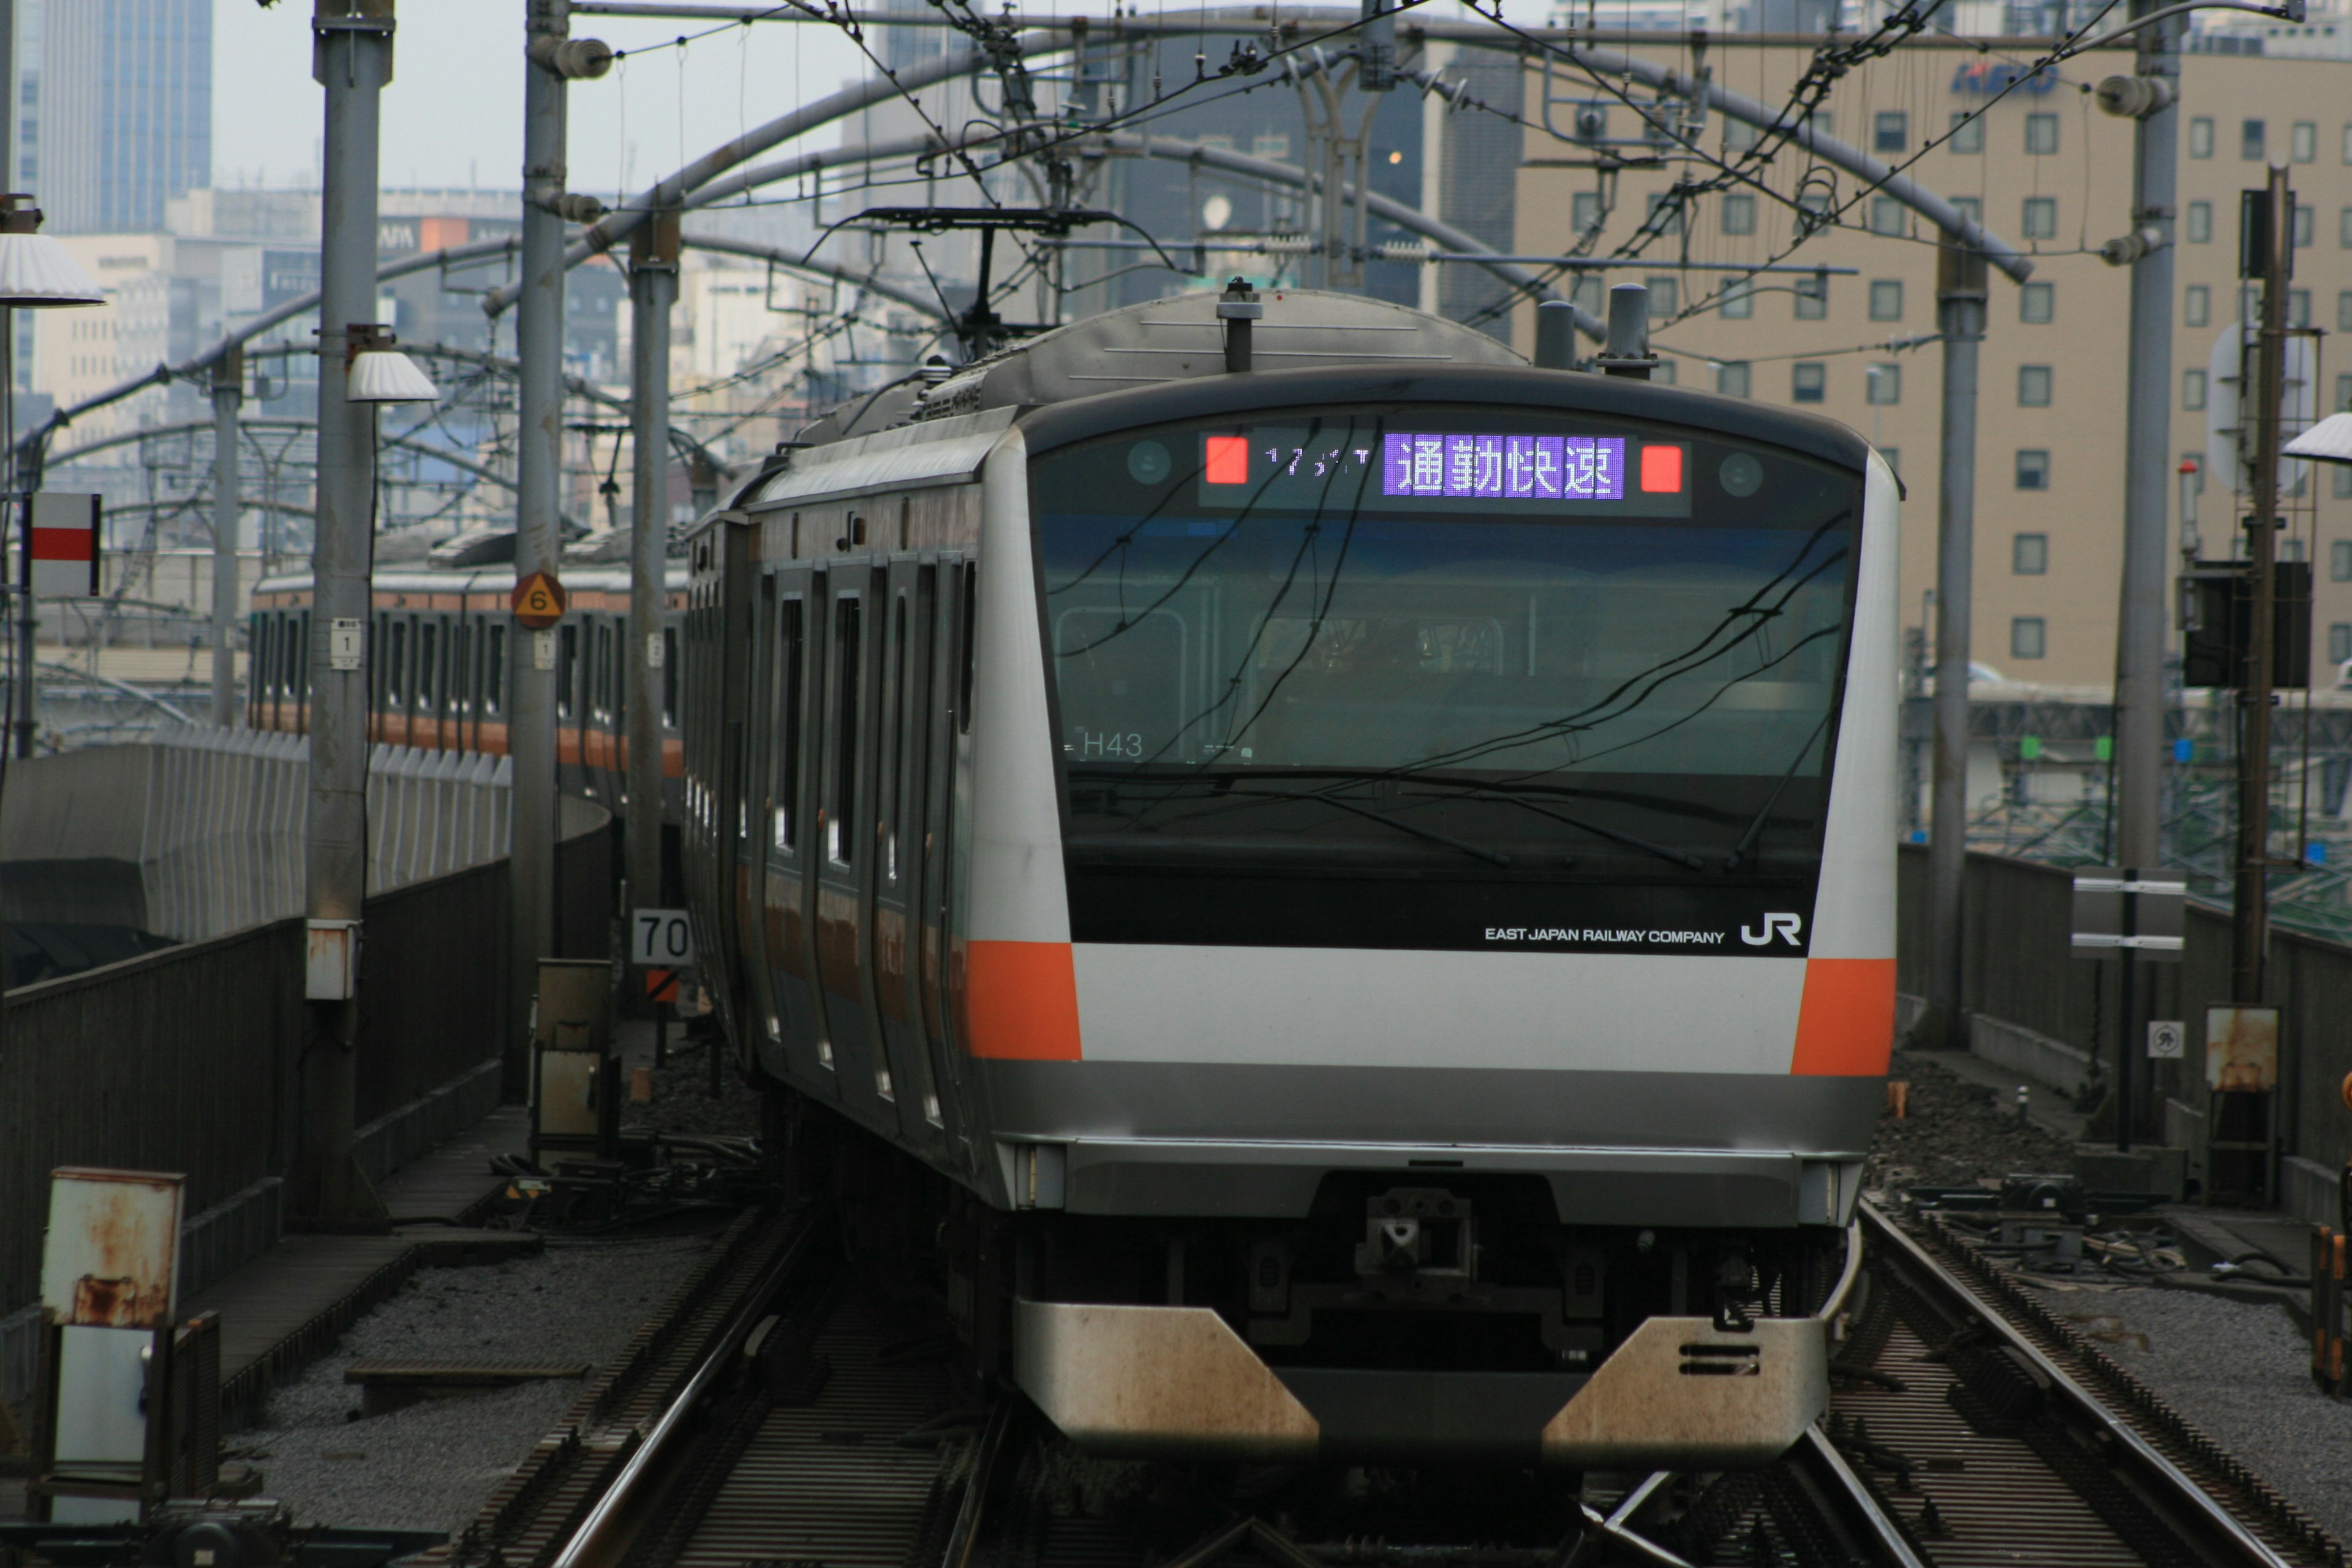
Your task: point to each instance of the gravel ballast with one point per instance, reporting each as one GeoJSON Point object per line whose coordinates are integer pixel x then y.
{"type": "Point", "coordinates": [2240, 1372]}
{"type": "Point", "coordinates": [431, 1465]}
{"type": "Point", "coordinates": [1956, 1132]}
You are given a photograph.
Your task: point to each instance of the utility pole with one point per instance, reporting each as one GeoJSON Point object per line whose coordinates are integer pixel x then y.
{"type": "Point", "coordinates": [228, 393]}
{"type": "Point", "coordinates": [2265, 249]}
{"type": "Point", "coordinates": [1960, 317]}
{"type": "Point", "coordinates": [552, 59]}
{"type": "Point", "coordinates": [653, 290]}
{"type": "Point", "coordinates": [2148, 98]}
{"type": "Point", "coordinates": [350, 58]}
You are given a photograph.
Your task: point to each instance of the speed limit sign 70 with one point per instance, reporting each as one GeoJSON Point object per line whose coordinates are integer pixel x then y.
{"type": "Point", "coordinates": [663, 937]}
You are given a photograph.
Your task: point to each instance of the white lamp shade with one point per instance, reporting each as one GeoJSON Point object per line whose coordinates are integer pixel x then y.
{"type": "Point", "coordinates": [2329, 441]}
{"type": "Point", "coordinates": [387, 376]}
{"type": "Point", "coordinates": [36, 270]}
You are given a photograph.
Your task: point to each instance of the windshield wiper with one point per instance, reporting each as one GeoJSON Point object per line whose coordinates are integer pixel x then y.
{"type": "Point", "coordinates": [1495, 856]}
{"type": "Point", "coordinates": [1755, 825]}
{"type": "Point", "coordinates": [1691, 861]}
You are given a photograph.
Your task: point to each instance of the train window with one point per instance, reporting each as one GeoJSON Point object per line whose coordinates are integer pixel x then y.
{"type": "Point", "coordinates": [567, 669]}
{"type": "Point", "coordinates": [461, 668]}
{"type": "Point", "coordinates": [1527, 638]}
{"type": "Point", "coordinates": [906, 523]}
{"type": "Point", "coordinates": [971, 604]}
{"type": "Point", "coordinates": [791, 652]}
{"type": "Point", "coordinates": [428, 637]}
{"type": "Point", "coordinates": [898, 736]}
{"type": "Point", "coordinates": [302, 659]}
{"type": "Point", "coordinates": [494, 669]}
{"type": "Point", "coordinates": [396, 668]}
{"type": "Point", "coordinates": [840, 810]}
{"type": "Point", "coordinates": [669, 677]}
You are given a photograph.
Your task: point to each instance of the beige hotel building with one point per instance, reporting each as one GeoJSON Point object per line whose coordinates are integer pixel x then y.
{"type": "Point", "coordinates": [2051, 173]}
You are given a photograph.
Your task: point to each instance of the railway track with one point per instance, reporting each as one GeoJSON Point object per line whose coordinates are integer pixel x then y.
{"type": "Point", "coordinates": [792, 1411]}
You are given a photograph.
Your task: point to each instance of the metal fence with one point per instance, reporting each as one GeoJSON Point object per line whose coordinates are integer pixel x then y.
{"type": "Point", "coordinates": [2019, 970]}
{"type": "Point", "coordinates": [188, 1059]}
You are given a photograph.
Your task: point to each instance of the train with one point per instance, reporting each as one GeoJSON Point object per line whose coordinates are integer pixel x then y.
{"type": "Point", "coordinates": [1337, 886]}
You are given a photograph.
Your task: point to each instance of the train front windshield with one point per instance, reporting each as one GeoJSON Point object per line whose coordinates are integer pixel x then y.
{"type": "Point", "coordinates": [1418, 638]}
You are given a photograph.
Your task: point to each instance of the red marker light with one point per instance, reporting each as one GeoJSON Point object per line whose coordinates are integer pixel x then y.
{"type": "Point", "coordinates": [1228, 460]}
{"type": "Point", "coordinates": [1662, 470]}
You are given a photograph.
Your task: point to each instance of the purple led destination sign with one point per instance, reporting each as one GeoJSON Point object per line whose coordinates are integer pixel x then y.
{"type": "Point", "coordinates": [1526, 468]}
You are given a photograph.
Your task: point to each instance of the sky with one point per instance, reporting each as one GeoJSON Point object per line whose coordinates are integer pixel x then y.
{"type": "Point", "coordinates": [453, 114]}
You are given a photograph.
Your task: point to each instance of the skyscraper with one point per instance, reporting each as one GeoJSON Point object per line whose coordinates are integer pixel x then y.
{"type": "Point", "coordinates": [126, 110]}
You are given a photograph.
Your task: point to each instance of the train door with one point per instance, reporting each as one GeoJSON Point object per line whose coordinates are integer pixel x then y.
{"type": "Point", "coordinates": [898, 849]}
{"type": "Point", "coordinates": [845, 851]}
{"type": "Point", "coordinates": [790, 847]}
{"type": "Point", "coordinates": [756, 807]}
{"type": "Point", "coordinates": [427, 728]}
{"type": "Point", "coordinates": [947, 721]}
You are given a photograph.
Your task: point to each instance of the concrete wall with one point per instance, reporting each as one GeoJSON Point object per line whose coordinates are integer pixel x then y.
{"type": "Point", "coordinates": [211, 821]}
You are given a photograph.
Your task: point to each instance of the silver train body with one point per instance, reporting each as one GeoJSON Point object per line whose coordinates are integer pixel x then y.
{"type": "Point", "coordinates": [1367, 884]}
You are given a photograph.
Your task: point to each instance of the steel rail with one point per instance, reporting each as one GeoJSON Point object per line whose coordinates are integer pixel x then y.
{"type": "Point", "coordinates": [1885, 1533]}
{"type": "Point", "coordinates": [602, 1520]}
{"type": "Point", "coordinates": [2223, 1528]}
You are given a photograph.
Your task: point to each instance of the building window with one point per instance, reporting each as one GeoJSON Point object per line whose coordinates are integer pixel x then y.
{"type": "Point", "coordinates": [1584, 212]}
{"type": "Point", "coordinates": [1967, 134]}
{"type": "Point", "coordinates": [2033, 387]}
{"type": "Point", "coordinates": [1666, 298]}
{"type": "Point", "coordinates": [1894, 456]}
{"type": "Point", "coordinates": [2033, 470]}
{"type": "Point", "coordinates": [2028, 554]}
{"type": "Point", "coordinates": [1890, 131]}
{"type": "Point", "coordinates": [1807, 382]}
{"type": "Point", "coordinates": [2344, 397]}
{"type": "Point", "coordinates": [2041, 134]}
{"type": "Point", "coordinates": [2200, 138]}
{"type": "Point", "coordinates": [1662, 373]}
{"type": "Point", "coordinates": [2037, 302]}
{"type": "Point", "coordinates": [2200, 223]}
{"type": "Point", "coordinates": [2339, 642]}
{"type": "Point", "coordinates": [1738, 136]}
{"type": "Point", "coordinates": [1886, 215]}
{"type": "Point", "coordinates": [2249, 142]}
{"type": "Point", "coordinates": [2344, 229]}
{"type": "Point", "coordinates": [1970, 207]}
{"type": "Point", "coordinates": [2342, 473]}
{"type": "Point", "coordinates": [2041, 217]}
{"type": "Point", "coordinates": [1740, 299]}
{"type": "Point", "coordinates": [1740, 213]}
{"type": "Point", "coordinates": [1731, 378]}
{"type": "Point", "coordinates": [2192, 391]}
{"type": "Point", "coordinates": [2303, 225]}
{"type": "Point", "coordinates": [2344, 311]}
{"type": "Point", "coordinates": [2029, 637]}
{"type": "Point", "coordinates": [1887, 300]}
{"type": "Point", "coordinates": [2196, 305]}
{"type": "Point", "coordinates": [2348, 143]}
{"type": "Point", "coordinates": [1882, 385]}
{"type": "Point", "coordinates": [1814, 297]}
{"type": "Point", "coordinates": [1665, 214]}
{"type": "Point", "coordinates": [2339, 566]}
{"type": "Point", "coordinates": [2298, 307]}
{"type": "Point", "coordinates": [2303, 142]}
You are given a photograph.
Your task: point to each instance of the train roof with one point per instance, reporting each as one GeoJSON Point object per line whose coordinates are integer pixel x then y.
{"type": "Point", "coordinates": [1164, 360]}
{"type": "Point", "coordinates": [483, 580]}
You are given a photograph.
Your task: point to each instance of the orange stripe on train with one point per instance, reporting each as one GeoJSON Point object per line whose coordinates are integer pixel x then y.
{"type": "Point", "coordinates": [1021, 1001]}
{"type": "Point", "coordinates": [1845, 1026]}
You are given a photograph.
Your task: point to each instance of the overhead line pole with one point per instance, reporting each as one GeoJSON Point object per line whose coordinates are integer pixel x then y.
{"type": "Point", "coordinates": [228, 393]}
{"type": "Point", "coordinates": [653, 290]}
{"type": "Point", "coordinates": [2267, 220]}
{"type": "Point", "coordinates": [351, 58]}
{"type": "Point", "coordinates": [551, 59]}
{"type": "Point", "coordinates": [2139, 739]}
{"type": "Point", "coordinates": [1960, 316]}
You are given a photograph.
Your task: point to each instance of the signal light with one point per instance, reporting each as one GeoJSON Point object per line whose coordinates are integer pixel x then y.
{"type": "Point", "coordinates": [1227, 460]}
{"type": "Point", "coordinates": [1662, 470]}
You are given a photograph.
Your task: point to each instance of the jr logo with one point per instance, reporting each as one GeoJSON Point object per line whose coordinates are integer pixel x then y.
{"type": "Point", "coordinates": [1774, 926]}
